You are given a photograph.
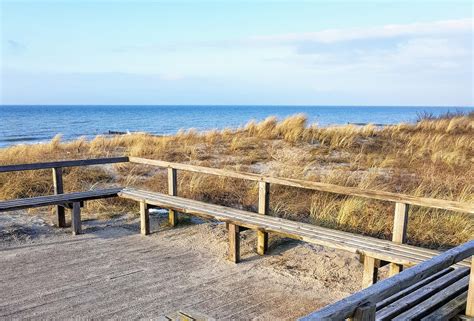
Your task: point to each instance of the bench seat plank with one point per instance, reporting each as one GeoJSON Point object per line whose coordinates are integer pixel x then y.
{"type": "Point", "coordinates": [449, 310]}
{"type": "Point", "coordinates": [40, 201]}
{"type": "Point", "coordinates": [441, 297]}
{"type": "Point", "coordinates": [380, 249]}
{"type": "Point", "coordinates": [414, 287]}
{"type": "Point", "coordinates": [423, 294]}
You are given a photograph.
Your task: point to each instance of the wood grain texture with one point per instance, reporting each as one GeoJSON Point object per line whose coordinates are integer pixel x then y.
{"type": "Point", "coordinates": [324, 187]}
{"type": "Point", "coordinates": [443, 296]}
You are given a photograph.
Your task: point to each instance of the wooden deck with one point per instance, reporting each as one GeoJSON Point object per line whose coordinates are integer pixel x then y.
{"type": "Point", "coordinates": [116, 273]}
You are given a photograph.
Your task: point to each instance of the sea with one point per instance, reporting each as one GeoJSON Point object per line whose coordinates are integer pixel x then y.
{"type": "Point", "coordinates": [26, 124]}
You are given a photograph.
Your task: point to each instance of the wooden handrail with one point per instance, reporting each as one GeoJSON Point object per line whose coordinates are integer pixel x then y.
{"type": "Point", "coordinates": [323, 187]}
{"type": "Point", "coordinates": [346, 308]}
{"type": "Point", "coordinates": [67, 163]}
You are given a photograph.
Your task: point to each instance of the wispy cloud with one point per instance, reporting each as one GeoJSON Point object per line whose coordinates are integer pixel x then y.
{"type": "Point", "coordinates": [14, 47]}
{"type": "Point", "coordinates": [388, 31]}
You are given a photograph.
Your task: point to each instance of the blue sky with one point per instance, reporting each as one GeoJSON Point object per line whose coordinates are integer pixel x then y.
{"type": "Point", "coordinates": [237, 52]}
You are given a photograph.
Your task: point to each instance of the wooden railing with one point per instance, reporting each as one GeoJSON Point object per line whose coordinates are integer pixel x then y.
{"type": "Point", "coordinates": [402, 202]}
{"type": "Point", "coordinates": [58, 175]}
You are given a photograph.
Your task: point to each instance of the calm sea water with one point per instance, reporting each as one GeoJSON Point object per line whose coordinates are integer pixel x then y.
{"type": "Point", "coordinates": [33, 124]}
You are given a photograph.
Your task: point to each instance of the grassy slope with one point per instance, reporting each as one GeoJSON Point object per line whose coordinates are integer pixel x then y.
{"type": "Point", "coordinates": [432, 158]}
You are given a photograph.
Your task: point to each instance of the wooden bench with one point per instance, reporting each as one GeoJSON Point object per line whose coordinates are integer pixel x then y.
{"type": "Point", "coordinates": [69, 200]}
{"type": "Point", "coordinates": [375, 252]}
{"type": "Point", "coordinates": [432, 290]}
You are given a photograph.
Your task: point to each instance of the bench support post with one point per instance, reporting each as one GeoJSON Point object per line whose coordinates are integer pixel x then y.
{"type": "Point", "coordinates": [370, 272]}
{"type": "Point", "coordinates": [172, 190]}
{"type": "Point", "coordinates": [364, 313]}
{"type": "Point", "coordinates": [58, 189]}
{"type": "Point", "coordinates": [76, 218]}
{"type": "Point", "coordinates": [263, 208]}
{"type": "Point", "coordinates": [399, 233]}
{"type": "Point", "coordinates": [234, 243]}
{"type": "Point", "coordinates": [144, 218]}
{"type": "Point", "coordinates": [470, 292]}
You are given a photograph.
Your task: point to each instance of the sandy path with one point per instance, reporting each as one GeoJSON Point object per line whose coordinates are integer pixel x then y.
{"type": "Point", "coordinates": [113, 272]}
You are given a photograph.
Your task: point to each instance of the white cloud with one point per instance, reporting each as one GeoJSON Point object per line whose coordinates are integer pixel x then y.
{"type": "Point", "coordinates": [388, 31]}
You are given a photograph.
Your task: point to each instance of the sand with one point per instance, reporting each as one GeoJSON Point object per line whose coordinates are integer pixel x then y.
{"type": "Point", "coordinates": [113, 272]}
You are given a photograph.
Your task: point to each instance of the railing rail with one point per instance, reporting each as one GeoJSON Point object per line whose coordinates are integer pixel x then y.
{"type": "Point", "coordinates": [59, 164]}
{"type": "Point", "coordinates": [323, 187]}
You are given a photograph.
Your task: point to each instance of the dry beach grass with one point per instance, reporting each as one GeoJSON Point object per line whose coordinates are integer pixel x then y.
{"type": "Point", "coordinates": [432, 158]}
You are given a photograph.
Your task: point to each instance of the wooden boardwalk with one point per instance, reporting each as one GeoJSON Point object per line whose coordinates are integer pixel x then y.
{"type": "Point", "coordinates": [116, 273]}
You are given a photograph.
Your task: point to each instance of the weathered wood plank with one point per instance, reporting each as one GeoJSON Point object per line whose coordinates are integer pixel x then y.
{"type": "Point", "coordinates": [470, 293]}
{"type": "Point", "coordinates": [449, 310]}
{"type": "Point", "coordinates": [263, 208]}
{"type": "Point", "coordinates": [76, 223]}
{"type": "Point", "coordinates": [412, 288]}
{"type": "Point", "coordinates": [324, 187]}
{"type": "Point", "coordinates": [380, 249]}
{"type": "Point", "coordinates": [364, 313]}
{"type": "Point", "coordinates": [420, 295]}
{"type": "Point", "coordinates": [67, 163]}
{"type": "Point", "coordinates": [370, 274]}
{"type": "Point", "coordinates": [57, 199]}
{"type": "Point", "coordinates": [234, 243]}
{"type": "Point", "coordinates": [144, 218]}
{"type": "Point", "coordinates": [172, 190]}
{"type": "Point", "coordinates": [385, 288]}
{"type": "Point", "coordinates": [58, 189]}
{"type": "Point", "coordinates": [441, 297]}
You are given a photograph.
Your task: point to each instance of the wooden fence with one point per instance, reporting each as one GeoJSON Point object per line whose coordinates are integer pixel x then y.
{"type": "Point", "coordinates": [402, 202]}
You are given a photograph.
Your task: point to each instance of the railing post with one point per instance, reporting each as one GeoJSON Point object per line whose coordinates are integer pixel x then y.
{"type": "Point", "coordinates": [58, 189]}
{"type": "Point", "coordinates": [172, 190]}
{"type": "Point", "coordinates": [263, 208]}
{"type": "Point", "coordinates": [399, 232]}
{"type": "Point", "coordinates": [470, 292]}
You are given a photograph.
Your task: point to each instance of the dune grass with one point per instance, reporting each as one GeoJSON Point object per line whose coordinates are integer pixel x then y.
{"type": "Point", "coordinates": [432, 158]}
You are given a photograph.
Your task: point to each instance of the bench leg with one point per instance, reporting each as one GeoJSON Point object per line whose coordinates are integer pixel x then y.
{"type": "Point", "coordinates": [76, 218]}
{"type": "Point", "coordinates": [370, 272]}
{"type": "Point", "coordinates": [364, 313]}
{"type": "Point", "coordinates": [61, 216]}
{"type": "Point", "coordinates": [172, 217]}
{"type": "Point", "coordinates": [144, 218]}
{"type": "Point", "coordinates": [234, 243]}
{"type": "Point", "coordinates": [394, 269]}
{"type": "Point", "coordinates": [262, 242]}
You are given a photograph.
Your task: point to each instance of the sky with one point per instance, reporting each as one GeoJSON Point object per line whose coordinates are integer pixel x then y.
{"type": "Point", "coordinates": [237, 52]}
